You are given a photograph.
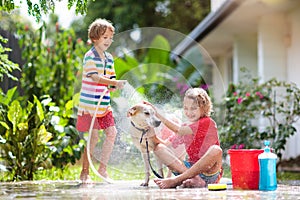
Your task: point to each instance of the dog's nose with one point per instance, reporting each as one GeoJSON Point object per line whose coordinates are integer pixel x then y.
{"type": "Point", "coordinates": [157, 123]}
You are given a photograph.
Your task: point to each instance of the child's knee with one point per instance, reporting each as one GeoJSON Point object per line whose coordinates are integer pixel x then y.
{"type": "Point", "coordinates": [111, 133]}
{"type": "Point", "coordinates": [216, 149]}
{"type": "Point", "coordinates": [159, 147]}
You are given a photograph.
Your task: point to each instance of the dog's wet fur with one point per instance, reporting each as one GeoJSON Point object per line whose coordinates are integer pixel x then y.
{"type": "Point", "coordinates": [143, 118]}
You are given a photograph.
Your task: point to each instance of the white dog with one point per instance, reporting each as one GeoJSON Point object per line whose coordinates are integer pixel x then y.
{"type": "Point", "coordinates": [142, 129]}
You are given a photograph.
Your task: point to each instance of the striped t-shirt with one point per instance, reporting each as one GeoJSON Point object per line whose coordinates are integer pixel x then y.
{"type": "Point", "coordinates": [91, 91]}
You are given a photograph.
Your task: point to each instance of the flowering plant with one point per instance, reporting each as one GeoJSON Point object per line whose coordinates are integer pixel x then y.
{"type": "Point", "coordinates": [257, 112]}
{"type": "Point", "coordinates": [238, 146]}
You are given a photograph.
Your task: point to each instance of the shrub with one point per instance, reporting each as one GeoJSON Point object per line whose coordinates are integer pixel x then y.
{"type": "Point", "coordinates": [256, 112]}
{"type": "Point", "coordinates": [23, 136]}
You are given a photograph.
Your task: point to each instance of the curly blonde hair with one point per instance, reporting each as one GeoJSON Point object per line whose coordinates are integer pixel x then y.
{"type": "Point", "coordinates": [201, 97]}
{"type": "Point", "coordinates": [98, 28]}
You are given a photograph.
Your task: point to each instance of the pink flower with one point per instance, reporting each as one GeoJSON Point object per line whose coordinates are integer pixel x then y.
{"type": "Point", "coordinates": [175, 79]}
{"type": "Point", "coordinates": [204, 86]}
{"type": "Point", "coordinates": [235, 94]}
{"type": "Point", "coordinates": [238, 146]}
{"type": "Point", "coordinates": [182, 87]}
{"type": "Point", "coordinates": [259, 94]}
{"type": "Point", "coordinates": [247, 94]}
{"type": "Point", "coordinates": [240, 100]}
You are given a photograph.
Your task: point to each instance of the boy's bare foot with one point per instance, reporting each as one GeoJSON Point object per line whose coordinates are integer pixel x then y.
{"type": "Point", "coordinates": [166, 183]}
{"type": "Point", "coordinates": [103, 172]}
{"type": "Point", "coordinates": [195, 182]}
{"type": "Point", "coordinates": [85, 178]}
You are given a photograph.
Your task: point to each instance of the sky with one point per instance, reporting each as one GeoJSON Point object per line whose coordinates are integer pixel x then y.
{"type": "Point", "coordinates": [65, 16]}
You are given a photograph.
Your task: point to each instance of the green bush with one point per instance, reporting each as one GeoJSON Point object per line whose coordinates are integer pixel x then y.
{"type": "Point", "coordinates": [260, 111]}
{"type": "Point", "coordinates": [45, 106]}
{"type": "Point", "coordinates": [53, 57]}
{"type": "Point", "coordinates": [35, 136]}
{"type": "Point", "coordinates": [23, 136]}
{"type": "Point", "coordinates": [52, 62]}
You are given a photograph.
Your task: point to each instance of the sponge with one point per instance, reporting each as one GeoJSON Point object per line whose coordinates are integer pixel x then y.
{"type": "Point", "coordinates": [216, 187]}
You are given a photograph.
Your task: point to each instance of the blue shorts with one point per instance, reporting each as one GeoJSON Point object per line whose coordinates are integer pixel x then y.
{"type": "Point", "coordinates": [209, 179]}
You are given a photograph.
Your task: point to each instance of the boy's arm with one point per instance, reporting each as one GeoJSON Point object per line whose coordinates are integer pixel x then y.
{"type": "Point", "coordinates": [103, 80]}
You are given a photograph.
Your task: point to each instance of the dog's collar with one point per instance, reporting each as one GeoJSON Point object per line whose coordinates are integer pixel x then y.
{"type": "Point", "coordinates": [144, 131]}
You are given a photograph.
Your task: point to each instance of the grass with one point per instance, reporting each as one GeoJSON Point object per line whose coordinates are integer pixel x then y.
{"type": "Point", "coordinates": [72, 172]}
{"type": "Point", "coordinates": [288, 176]}
{"type": "Point", "coordinates": [127, 171]}
{"type": "Point", "coordinates": [116, 173]}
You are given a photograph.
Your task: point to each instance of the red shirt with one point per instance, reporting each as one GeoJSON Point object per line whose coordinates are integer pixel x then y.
{"type": "Point", "coordinates": [205, 134]}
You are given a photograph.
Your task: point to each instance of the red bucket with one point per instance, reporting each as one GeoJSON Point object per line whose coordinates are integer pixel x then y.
{"type": "Point", "coordinates": [244, 168]}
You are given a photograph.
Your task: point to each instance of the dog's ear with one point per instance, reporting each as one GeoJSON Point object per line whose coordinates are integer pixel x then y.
{"type": "Point", "coordinates": [131, 111]}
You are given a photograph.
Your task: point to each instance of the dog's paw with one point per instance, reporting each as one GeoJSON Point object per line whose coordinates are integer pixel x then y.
{"type": "Point", "coordinates": [144, 184]}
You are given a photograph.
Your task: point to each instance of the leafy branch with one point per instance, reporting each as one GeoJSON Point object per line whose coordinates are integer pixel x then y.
{"type": "Point", "coordinates": [44, 7]}
{"type": "Point", "coordinates": [6, 66]}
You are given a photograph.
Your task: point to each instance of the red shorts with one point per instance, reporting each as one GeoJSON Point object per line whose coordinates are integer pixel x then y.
{"type": "Point", "coordinates": [84, 121]}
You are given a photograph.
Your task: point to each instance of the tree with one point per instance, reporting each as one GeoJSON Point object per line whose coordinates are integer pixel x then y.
{"type": "Point", "coordinates": [36, 9]}
{"type": "Point", "coordinates": [177, 15]}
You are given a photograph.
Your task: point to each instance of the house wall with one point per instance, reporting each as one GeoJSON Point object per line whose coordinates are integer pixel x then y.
{"type": "Point", "coordinates": [272, 54]}
{"type": "Point", "coordinates": [220, 84]}
{"type": "Point", "coordinates": [278, 52]}
{"type": "Point", "coordinates": [222, 74]}
{"type": "Point", "coordinates": [244, 56]}
{"type": "Point", "coordinates": [292, 41]}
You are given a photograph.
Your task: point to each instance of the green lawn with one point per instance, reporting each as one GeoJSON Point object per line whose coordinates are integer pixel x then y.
{"type": "Point", "coordinates": [134, 172]}
{"type": "Point", "coordinates": [73, 172]}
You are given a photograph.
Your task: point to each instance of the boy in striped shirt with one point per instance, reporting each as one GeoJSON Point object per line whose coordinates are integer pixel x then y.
{"type": "Point", "coordinates": [98, 77]}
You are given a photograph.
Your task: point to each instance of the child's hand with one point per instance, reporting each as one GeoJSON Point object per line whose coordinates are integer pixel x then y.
{"type": "Point", "coordinates": [120, 84]}
{"type": "Point", "coordinates": [111, 89]}
{"type": "Point", "coordinates": [148, 103]}
{"type": "Point", "coordinates": [168, 142]}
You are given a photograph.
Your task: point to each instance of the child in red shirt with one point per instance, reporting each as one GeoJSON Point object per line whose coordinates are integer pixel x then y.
{"type": "Point", "coordinates": [200, 137]}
